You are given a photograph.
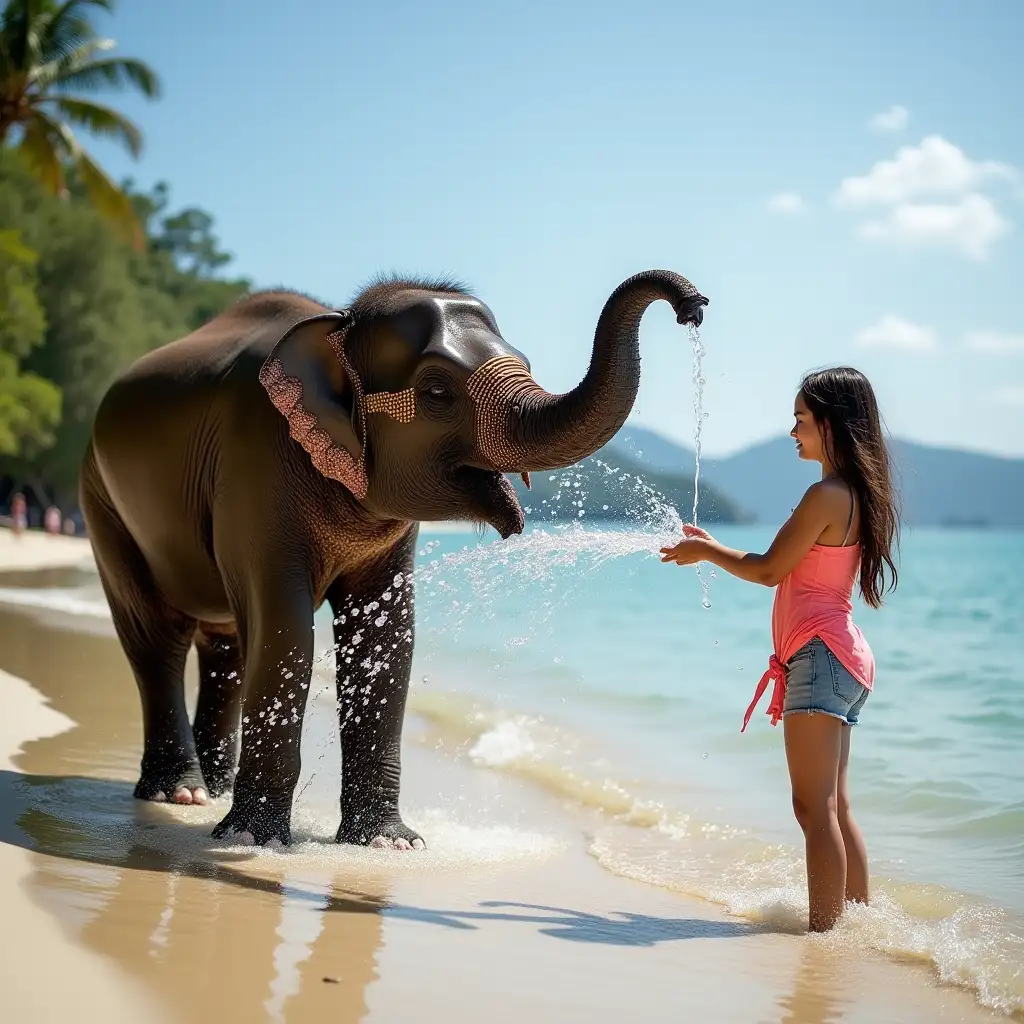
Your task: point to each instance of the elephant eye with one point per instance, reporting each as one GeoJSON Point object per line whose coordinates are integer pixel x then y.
{"type": "Point", "coordinates": [437, 396]}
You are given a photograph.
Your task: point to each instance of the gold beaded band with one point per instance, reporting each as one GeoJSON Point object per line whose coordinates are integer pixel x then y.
{"type": "Point", "coordinates": [495, 388]}
{"type": "Point", "coordinates": [399, 405]}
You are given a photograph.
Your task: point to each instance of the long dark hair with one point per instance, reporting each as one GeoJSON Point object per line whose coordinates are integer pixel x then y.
{"type": "Point", "coordinates": [843, 398]}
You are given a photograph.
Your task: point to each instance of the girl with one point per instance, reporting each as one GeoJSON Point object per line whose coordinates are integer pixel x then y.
{"type": "Point", "coordinates": [846, 524]}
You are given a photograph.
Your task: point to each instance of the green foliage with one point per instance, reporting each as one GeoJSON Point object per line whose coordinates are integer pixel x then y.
{"type": "Point", "coordinates": [95, 305]}
{"type": "Point", "coordinates": [23, 322]}
{"type": "Point", "coordinates": [29, 405]}
{"type": "Point", "coordinates": [29, 409]}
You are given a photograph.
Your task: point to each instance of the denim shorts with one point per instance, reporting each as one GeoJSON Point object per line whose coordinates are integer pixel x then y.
{"type": "Point", "coordinates": [817, 681]}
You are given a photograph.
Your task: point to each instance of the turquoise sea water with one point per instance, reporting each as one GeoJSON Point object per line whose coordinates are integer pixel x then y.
{"type": "Point", "coordinates": [573, 657]}
{"type": "Point", "coordinates": [622, 650]}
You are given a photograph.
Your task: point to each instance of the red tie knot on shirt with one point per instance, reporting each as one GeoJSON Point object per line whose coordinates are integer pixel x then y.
{"type": "Point", "coordinates": [776, 671]}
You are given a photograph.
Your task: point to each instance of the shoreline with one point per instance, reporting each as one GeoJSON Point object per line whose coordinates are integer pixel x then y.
{"type": "Point", "coordinates": [402, 922]}
{"type": "Point", "coordinates": [44, 951]}
{"type": "Point", "coordinates": [34, 549]}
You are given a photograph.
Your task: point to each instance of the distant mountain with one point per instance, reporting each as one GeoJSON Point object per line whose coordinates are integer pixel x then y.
{"type": "Point", "coordinates": [938, 486]}
{"type": "Point", "coordinates": [612, 485]}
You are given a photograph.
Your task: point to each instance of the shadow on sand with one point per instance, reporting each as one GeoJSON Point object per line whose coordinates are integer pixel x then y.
{"type": "Point", "coordinates": [254, 935]}
{"type": "Point", "coordinates": [44, 822]}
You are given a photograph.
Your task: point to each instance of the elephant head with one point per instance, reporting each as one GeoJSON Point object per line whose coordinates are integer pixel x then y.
{"type": "Point", "coordinates": [412, 399]}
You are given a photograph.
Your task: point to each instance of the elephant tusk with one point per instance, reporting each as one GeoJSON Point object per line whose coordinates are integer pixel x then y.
{"type": "Point", "coordinates": [526, 479]}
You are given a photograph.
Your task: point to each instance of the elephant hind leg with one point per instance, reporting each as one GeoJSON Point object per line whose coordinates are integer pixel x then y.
{"type": "Point", "coordinates": [156, 639]}
{"type": "Point", "coordinates": [219, 706]}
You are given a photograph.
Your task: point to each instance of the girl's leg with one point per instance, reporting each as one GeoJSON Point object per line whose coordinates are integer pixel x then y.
{"type": "Point", "coordinates": [813, 751]}
{"type": "Point", "coordinates": [856, 853]}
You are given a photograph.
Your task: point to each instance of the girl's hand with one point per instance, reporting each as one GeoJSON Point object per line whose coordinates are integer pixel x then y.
{"type": "Point", "coordinates": [687, 552]}
{"type": "Point", "coordinates": [695, 531]}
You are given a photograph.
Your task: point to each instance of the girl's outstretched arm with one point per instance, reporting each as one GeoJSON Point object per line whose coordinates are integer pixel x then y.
{"type": "Point", "coordinates": [799, 533]}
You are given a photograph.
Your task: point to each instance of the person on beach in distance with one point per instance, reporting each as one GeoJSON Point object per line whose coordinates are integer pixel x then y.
{"type": "Point", "coordinates": [823, 669]}
{"type": "Point", "coordinates": [19, 514]}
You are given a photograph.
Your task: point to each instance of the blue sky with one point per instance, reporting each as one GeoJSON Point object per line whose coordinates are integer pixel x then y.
{"type": "Point", "coordinates": [845, 182]}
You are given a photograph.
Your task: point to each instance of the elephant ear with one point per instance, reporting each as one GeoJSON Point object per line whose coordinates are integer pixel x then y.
{"type": "Point", "coordinates": [312, 385]}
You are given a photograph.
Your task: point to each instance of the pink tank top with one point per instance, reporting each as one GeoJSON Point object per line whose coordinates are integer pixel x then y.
{"type": "Point", "coordinates": [815, 599]}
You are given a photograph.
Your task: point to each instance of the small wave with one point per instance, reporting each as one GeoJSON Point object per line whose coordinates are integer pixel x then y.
{"type": "Point", "coordinates": [973, 945]}
{"type": "Point", "coordinates": [533, 748]}
{"type": "Point", "coordinates": [1006, 722]}
{"type": "Point", "coordinates": [506, 742]}
{"type": "Point", "coordinates": [70, 602]}
{"type": "Point", "coordinates": [454, 844]}
{"type": "Point", "coordinates": [968, 943]}
{"type": "Point", "coordinates": [987, 823]}
{"type": "Point", "coordinates": [82, 815]}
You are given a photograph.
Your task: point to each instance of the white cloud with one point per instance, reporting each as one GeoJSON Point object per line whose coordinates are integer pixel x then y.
{"type": "Point", "coordinates": [931, 196]}
{"type": "Point", "coordinates": [969, 226]}
{"type": "Point", "coordinates": [895, 332]}
{"type": "Point", "coordinates": [994, 343]}
{"type": "Point", "coordinates": [787, 202]}
{"type": "Point", "coordinates": [1013, 395]}
{"type": "Point", "coordinates": [935, 167]}
{"type": "Point", "coordinates": [892, 120]}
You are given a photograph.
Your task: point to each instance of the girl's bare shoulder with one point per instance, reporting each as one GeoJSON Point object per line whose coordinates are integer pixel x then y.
{"type": "Point", "coordinates": [831, 497]}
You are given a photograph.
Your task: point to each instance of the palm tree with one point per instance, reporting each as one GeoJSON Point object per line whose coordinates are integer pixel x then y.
{"type": "Point", "coordinates": [49, 50]}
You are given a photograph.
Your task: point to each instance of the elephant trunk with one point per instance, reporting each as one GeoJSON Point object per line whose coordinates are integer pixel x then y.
{"type": "Point", "coordinates": [524, 429]}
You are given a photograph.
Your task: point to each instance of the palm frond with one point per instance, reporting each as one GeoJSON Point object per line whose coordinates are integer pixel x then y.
{"type": "Point", "coordinates": [17, 34]}
{"type": "Point", "coordinates": [49, 48]}
{"type": "Point", "coordinates": [68, 28]}
{"type": "Point", "coordinates": [43, 74]}
{"type": "Point", "coordinates": [43, 145]}
{"type": "Point", "coordinates": [109, 200]}
{"type": "Point", "coordinates": [101, 121]}
{"type": "Point", "coordinates": [72, 8]}
{"type": "Point", "coordinates": [116, 73]}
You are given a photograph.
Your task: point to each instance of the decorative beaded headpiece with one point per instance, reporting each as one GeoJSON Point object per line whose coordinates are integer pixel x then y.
{"type": "Point", "coordinates": [330, 458]}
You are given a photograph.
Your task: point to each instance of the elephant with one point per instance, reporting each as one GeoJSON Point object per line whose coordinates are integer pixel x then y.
{"type": "Point", "coordinates": [283, 455]}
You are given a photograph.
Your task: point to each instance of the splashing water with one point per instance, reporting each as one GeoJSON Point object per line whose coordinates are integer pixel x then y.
{"type": "Point", "coordinates": [531, 560]}
{"type": "Point", "coordinates": [470, 584]}
{"type": "Point", "coordinates": [699, 416]}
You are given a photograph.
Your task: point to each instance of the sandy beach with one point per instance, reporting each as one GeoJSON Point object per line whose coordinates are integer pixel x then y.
{"type": "Point", "coordinates": [132, 910]}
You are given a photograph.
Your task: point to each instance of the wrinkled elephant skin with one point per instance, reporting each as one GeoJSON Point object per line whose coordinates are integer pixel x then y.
{"type": "Point", "coordinates": [282, 456]}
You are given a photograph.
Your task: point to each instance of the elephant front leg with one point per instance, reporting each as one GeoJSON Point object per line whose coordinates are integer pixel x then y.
{"type": "Point", "coordinates": [278, 659]}
{"type": "Point", "coordinates": [374, 636]}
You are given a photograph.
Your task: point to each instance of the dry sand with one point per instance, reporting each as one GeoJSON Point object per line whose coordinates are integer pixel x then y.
{"type": "Point", "coordinates": [118, 910]}
{"type": "Point", "coordinates": [34, 550]}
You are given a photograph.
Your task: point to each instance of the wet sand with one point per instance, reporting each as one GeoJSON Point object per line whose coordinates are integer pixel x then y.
{"type": "Point", "coordinates": [132, 910]}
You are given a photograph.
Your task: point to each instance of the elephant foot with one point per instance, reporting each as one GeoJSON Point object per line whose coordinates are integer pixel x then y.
{"type": "Point", "coordinates": [219, 778]}
{"type": "Point", "coordinates": [256, 821]}
{"type": "Point", "coordinates": [177, 784]}
{"type": "Point", "coordinates": [389, 833]}
{"type": "Point", "coordinates": [219, 760]}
